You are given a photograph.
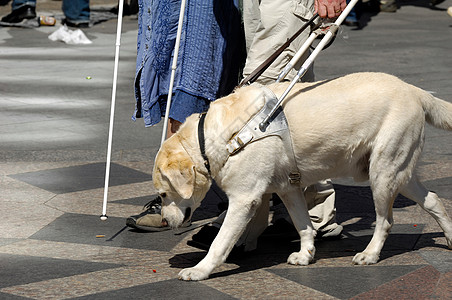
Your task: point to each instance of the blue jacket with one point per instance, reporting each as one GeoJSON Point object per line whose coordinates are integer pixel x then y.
{"type": "Point", "coordinates": [211, 54]}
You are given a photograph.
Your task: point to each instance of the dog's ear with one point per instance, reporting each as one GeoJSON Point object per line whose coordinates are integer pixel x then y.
{"type": "Point", "coordinates": [181, 175]}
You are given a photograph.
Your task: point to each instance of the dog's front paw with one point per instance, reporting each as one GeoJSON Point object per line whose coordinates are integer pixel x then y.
{"type": "Point", "coordinates": [364, 258]}
{"type": "Point", "coordinates": [194, 274]}
{"type": "Point", "coordinates": [302, 258]}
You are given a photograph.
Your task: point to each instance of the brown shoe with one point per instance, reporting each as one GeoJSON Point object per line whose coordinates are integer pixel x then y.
{"type": "Point", "coordinates": [150, 219]}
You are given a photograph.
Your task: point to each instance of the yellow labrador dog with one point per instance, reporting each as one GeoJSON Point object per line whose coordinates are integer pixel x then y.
{"type": "Point", "coordinates": [369, 126]}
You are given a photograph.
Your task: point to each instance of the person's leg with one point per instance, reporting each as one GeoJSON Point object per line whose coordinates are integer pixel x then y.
{"type": "Point", "coordinates": [268, 24]}
{"type": "Point", "coordinates": [321, 199]}
{"type": "Point", "coordinates": [20, 10]}
{"type": "Point", "coordinates": [173, 126]}
{"type": "Point", "coordinates": [279, 20]}
{"type": "Point", "coordinates": [251, 19]}
{"type": "Point", "coordinates": [352, 18]}
{"type": "Point", "coordinates": [16, 4]}
{"type": "Point", "coordinates": [183, 105]}
{"type": "Point", "coordinates": [76, 11]}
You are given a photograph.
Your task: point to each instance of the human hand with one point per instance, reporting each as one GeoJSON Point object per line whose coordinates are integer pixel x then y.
{"type": "Point", "coordinates": [329, 8]}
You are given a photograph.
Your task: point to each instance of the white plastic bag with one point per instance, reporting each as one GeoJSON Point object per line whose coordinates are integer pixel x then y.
{"type": "Point", "coordinates": [71, 37]}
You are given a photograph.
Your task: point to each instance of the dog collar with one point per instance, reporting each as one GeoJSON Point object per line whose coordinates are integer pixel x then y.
{"type": "Point", "coordinates": [201, 141]}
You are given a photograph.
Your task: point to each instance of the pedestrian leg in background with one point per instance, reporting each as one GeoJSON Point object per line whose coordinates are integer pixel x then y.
{"type": "Point", "coordinates": [77, 13]}
{"type": "Point", "coordinates": [21, 10]}
{"type": "Point", "coordinates": [353, 17]}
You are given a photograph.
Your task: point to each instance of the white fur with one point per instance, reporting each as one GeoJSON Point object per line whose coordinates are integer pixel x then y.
{"type": "Point", "coordinates": [369, 126]}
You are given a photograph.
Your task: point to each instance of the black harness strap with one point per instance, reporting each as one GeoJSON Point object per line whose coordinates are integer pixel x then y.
{"type": "Point", "coordinates": [262, 67]}
{"type": "Point", "coordinates": [201, 141]}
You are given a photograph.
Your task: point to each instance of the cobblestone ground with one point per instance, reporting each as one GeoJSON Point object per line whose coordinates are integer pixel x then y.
{"type": "Point", "coordinates": [54, 115]}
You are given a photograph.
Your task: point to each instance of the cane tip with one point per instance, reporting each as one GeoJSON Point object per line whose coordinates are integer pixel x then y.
{"type": "Point", "coordinates": [103, 217]}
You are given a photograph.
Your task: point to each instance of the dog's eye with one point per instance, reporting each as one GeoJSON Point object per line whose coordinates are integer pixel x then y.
{"type": "Point", "coordinates": [163, 195]}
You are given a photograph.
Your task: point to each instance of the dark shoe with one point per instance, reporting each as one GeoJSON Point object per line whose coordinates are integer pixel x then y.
{"type": "Point", "coordinates": [20, 14]}
{"type": "Point", "coordinates": [77, 24]}
{"type": "Point", "coordinates": [281, 229]}
{"type": "Point", "coordinates": [371, 6]}
{"type": "Point", "coordinates": [125, 10]}
{"type": "Point", "coordinates": [133, 7]}
{"type": "Point", "coordinates": [204, 238]}
{"type": "Point", "coordinates": [351, 22]}
{"type": "Point", "coordinates": [150, 219]}
{"type": "Point", "coordinates": [436, 2]}
{"type": "Point", "coordinates": [388, 6]}
{"type": "Point", "coordinates": [331, 234]}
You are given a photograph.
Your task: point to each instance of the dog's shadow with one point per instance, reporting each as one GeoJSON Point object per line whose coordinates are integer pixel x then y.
{"type": "Point", "coordinates": [355, 209]}
{"type": "Point", "coordinates": [273, 252]}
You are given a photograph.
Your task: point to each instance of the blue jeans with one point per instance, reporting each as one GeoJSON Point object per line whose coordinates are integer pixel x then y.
{"type": "Point", "coordinates": [76, 10]}
{"type": "Point", "coordinates": [352, 16]}
{"type": "Point", "coordinates": [19, 3]}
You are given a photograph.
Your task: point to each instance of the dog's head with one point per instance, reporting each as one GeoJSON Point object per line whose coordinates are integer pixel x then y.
{"type": "Point", "coordinates": [179, 176]}
{"type": "Point", "coordinates": [178, 181]}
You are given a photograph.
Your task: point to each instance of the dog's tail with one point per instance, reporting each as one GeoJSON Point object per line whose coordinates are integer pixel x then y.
{"type": "Point", "coordinates": [438, 112]}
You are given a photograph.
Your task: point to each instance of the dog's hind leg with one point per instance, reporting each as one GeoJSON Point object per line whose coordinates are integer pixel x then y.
{"type": "Point", "coordinates": [395, 152]}
{"type": "Point", "coordinates": [296, 206]}
{"type": "Point", "coordinates": [431, 203]}
{"type": "Point", "coordinates": [384, 191]}
{"type": "Point", "coordinates": [383, 224]}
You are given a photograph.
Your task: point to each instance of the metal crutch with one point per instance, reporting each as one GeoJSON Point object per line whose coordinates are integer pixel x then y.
{"type": "Point", "coordinates": [309, 61]}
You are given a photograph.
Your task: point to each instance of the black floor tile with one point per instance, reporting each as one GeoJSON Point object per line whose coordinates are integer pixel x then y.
{"type": "Point", "coordinates": [81, 178]}
{"type": "Point", "coordinates": [441, 187]}
{"type": "Point", "coordinates": [358, 199]}
{"type": "Point", "coordinates": [5, 296]}
{"type": "Point", "coordinates": [401, 236]}
{"type": "Point", "coordinates": [83, 229]}
{"type": "Point", "coordinates": [169, 289]}
{"type": "Point", "coordinates": [344, 282]}
{"type": "Point", "coordinates": [136, 200]}
{"type": "Point", "coordinates": [441, 260]}
{"type": "Point", "coordinates": [355, 238]}
{"type": "Point", "coordinates": [20, 269]}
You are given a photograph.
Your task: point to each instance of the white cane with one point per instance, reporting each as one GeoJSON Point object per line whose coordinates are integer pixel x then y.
{"type": "Point", "coordinates": [104, 217]}
{"type": "Point", "coordinates": [173, 69]}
